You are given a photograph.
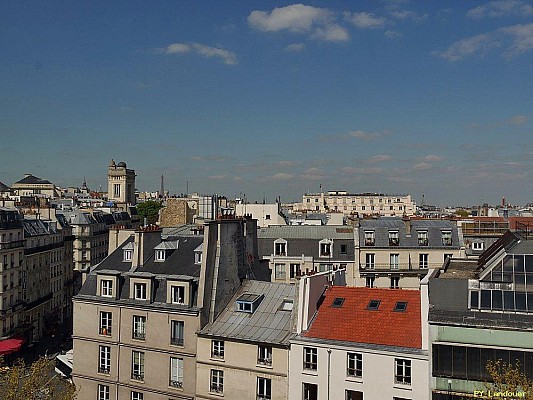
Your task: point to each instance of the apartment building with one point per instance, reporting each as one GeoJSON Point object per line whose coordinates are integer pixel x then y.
{"type": "Point", "coordinates": [361, 344]}
{"type": "Point", "coordinates": [265, 214]}
{"type": "Point", "coordinates": [137, 314]}
{"type": "Point", "coordinates": [31, 185]}
{"type": "Point", "coordinates": [244, 353]}
{"type": "Point", "coordinates": [11, 268]}
{"type": "Point", "coordinates": [363, 204]}
{"type": "Point", "coordinates": [481, 311]}
{"type": "Point", "coordinates": [294, 250]}
{"type": "Point", "coordinates": [397, 252]}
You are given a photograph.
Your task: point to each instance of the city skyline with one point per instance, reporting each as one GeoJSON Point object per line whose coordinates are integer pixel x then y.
{"type": "Point", "coordinates": [273, 99]}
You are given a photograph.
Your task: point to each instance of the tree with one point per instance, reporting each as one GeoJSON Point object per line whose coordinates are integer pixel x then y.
{"type": "Point", "coordinates": [37, 381]}
{"type": "Point", "coordinates": [508, 381]}
{"type": "Point", "coordinates": [462, 213]}
{"type": "Point", "coordinates": [149, 210]}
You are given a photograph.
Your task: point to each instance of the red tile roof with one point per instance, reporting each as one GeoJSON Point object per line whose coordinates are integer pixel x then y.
{"type": "Point", "coordinates": [352, 322]}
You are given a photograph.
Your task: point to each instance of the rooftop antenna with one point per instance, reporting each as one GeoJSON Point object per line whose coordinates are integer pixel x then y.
{"type": "Point", "coordinates": [187, 192]}
{"type": "Point", "coordinates": [162, 193]}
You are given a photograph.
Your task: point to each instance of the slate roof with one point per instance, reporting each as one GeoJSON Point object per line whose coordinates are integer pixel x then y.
{"type": "Point", "coordinates": [353, 322]}
{"type": "Point", "coordinates": [77, 217]}
{"type": "Point", "coordinates": [268, 323]}
{"type": "Point", "coordinates": [4, 188]}
{"type": "Point", "coordinates": [383, 225]}
{"type": "Point", "coordinates": [310, 248]}
{"type": "Point", "coordinates": [33, 180]}
{"type": "Point", "coordinates": [306, 232]}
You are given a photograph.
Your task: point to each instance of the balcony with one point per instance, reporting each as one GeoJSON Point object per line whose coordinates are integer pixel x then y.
{"type": "Point", "coordinates": [105, 330]}
{"type": "Point", "coordinates": [395, 242]}
{"type": "Point", "coordinates": [370, 242]}
{"type": "Point", "coordinates": [264, 361]}
{"type": "Point", "coordinates": [139, 335]}
{"type": "Point", "coordinates": [216, 389]}
{"type": "Point", "coordinates": [401, 267]}
{"type": "Point", "coordinates": [137, 376]}
{"type": "Point", "coordinates": [176, 384]}
{"type": "Point", "coordinates": [446, 241]}
{"type": "Point", "coordinates": [423, 242]}
{"type": "Point", "coordinates": [176, 341]}
{"type": "Point", "coordinates": [15, 244]}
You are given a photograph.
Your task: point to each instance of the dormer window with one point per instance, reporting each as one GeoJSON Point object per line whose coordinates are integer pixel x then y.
{"type": "Point", "coordinates": [140, 291]}
{"type": "Point", "coordinates": [178, 294]}
{"type": "Point", "coordinates": [106, 288]}
{"type": "Point", "coordinates": [446, 238]}
{"type": "Point", "coordinates": [128, 255]}
{"type": "Point", "coordinates": [280, 247]}
{"type": "Point", "coordinates": [370, 238]}
{"type": "Point", "coordinates": [248, 302]}
{"type": "Point", "coordinates": [394, 239]}
{"type": "Point", "coordinates": [326, 248]}
{"type": "Point", "coordinates": [423, 238]}
{"type": "Point", "coordinates": [160, 255]}
{"type": "Point", "coordinates": [198, 258]}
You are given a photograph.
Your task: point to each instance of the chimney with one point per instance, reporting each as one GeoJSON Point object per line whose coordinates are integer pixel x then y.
{"type": "Point", "coordinates": [407, 221]}
{"type": "Point", "coordinates": [144, 243]}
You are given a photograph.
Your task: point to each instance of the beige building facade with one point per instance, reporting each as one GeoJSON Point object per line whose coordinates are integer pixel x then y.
{"type": "Point", "coordinates": [120, 183]}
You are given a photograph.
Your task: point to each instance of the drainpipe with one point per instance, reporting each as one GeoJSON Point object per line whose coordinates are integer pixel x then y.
{"type": "Point", "coordinates": [329, 369]}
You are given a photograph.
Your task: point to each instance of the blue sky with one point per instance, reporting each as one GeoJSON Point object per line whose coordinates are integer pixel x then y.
{"type": "Point", "coordinates": [272, 98]}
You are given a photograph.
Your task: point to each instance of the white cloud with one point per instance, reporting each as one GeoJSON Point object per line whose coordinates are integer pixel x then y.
{"type": "Point", "coordinates": [217, 177]}
{"type": "Point", "coordinates": [294, 47]}
{"type": "Point", "coordinates": [501, 8]}
{"type": "Point", "coordinates": [379, 158]}
{"type": "Point", "coordinates": [281, 176]}
{"type": "Point", "coordinates": [227, 57]}
{"type": "Point", "coordinates": [364, 20]}
{"type": "Point", "coordinates": [522, 38]}
{"type": "Point", "coordinates": [367, 135]}
{"type": "Point", "coordinates": [518, 120]}
{"type": "Point", "coordinates": [392, 34]}
{"type": "Point", "coordinates": [313, 174]}
{"type": "Point", "coordinates": [432, 158]}
{"type": "Point", "coordinates": [421, 166]}
{"type": "Point", "coordinates": [331, 33]}
{"type": "Point", "coordinates": [299, 18]}
{"type": "Point", "coordinates": [404, 15]}
{"type": "Point", "coordinates": [361, 171]}
{"type": "Point", "coordinates": [468, 46]}
{"type": "Point", "coordinates": [515, 40]}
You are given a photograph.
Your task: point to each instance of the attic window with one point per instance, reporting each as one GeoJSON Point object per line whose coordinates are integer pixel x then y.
{"type": "Point", "coordinates": [128, 255]}
{"type": "Point", "coordinates": [400, 306]}
{"type": "Point", "coordinates": [287, 305]}
{"type": "Point", "coordinates": [160, 255]}
{"type": "Point", "coordinates": [338, 302]}
{"type": "Point", "coordinates": [248, 302]}
{"type": "Point", "coordinates": [373, 305]}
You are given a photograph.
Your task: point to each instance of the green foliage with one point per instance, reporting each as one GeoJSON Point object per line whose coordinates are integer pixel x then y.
{"type": "Point", "coordinates": [149, 210]}
{"type": "Point", "coordinates": [36, 381]}
{"type": "Point", "coordinates": [461, 213]}
{"type": "Point", "coordinates": [509, 379]}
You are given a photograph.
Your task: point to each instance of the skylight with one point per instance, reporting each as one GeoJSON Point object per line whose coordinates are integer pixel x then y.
{"type": "Point", "coordinates": [400, 306]}
{"type": "Point", "coordinates": [338, 302]}
{"type": "Point", "coordinates": [287, 305]}
{"type": "Point", "coordinates": [373, 305]}
{"type": "Point", "coordinates": [248, 302]}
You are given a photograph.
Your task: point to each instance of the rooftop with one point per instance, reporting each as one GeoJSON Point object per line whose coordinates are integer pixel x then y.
{"type": "Point", "coordinates": [354, 321]}
{"type": "Point", "coordinates": [33, 180]}
{"type": "Point", "coordinates": [306, 232]}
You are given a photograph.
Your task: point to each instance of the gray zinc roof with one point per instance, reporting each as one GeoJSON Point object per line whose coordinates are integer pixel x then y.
{"type": "Point", "coordinates": [306, 232]}
{"type": "Point", "coordinates": [267, 324]}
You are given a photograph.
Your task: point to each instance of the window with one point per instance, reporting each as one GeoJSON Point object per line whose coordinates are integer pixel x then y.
{"type": "Point", "coordinates": [310, 391]}
{"type": "Point", "coordinates": [264, 356]}
{"type": "Point", "coordinates": [369, 281]}
{"type": "Point", "coordinates": [103, 392]}
{"type": "Point", "coordinates": [394, 239]}
{"type": "Point", "coordinates": [116, 190]}
{"type": "Point", "coordinates": [423, 260]}
{"type": "Point", "coordinates": [423, 238]}
{"type": "Point", "coordinates": [400, 306]}
{"type": "Point", "coordinates": [294, 270]}
{"type": "Point", "coordinates": [160, 255]}
{"type": "Point", "coordinates": [403, 371]}
{"type": "Point", "coordinates": [264, 389]}
{"type": "Point", "coordinates": [198, 257]}
{"type": "Point", "coordinates": [370, 260]}
{"type": "Point", "coordinates": [310, 358]}
{"type": "Point", "coordinates": [280, 248]}
{"type": "Point", "coordinates": [326, 248]}
{"type": "Point", "coordinates": [106, 288]}
{"type": "Point", "coordinates": [267, 216]}
{"type": "Point", "coordinates": [104, 359]}
{"type": "Point", "coordinates": [217, 349]}
{"type": "Point", "coordinates": [446, 238]}
{"type": "Point", "coordinates": [394, 261]}
{"type": "Point", "coordinates": [286, 305]}
{"type": "Point", "coordinates": [176, 333]}
{"type": "Point", "coordinates": [217, 381]}
{"type": "Point", "coordinates": [354, 365]}
{"type": "Point", "coordinates": [325, 267]}
{"type": "Point", "coordinates": [139, 291]}
{"type": "Point", "coordinates": [370, 239]}
{"type": "Point", "coordinates": [477, 245]}
{"type": "Point", "coordinates": [105, 323]}
{"type": "Point", "coordinates": [338, 302]}
{"type": "Point", "coordinates": [176, 372]}
{"type": "Point", "coordinates": [344, 249]}
{"type": "Point", "coordinates": [139, 327]}
{"type": "Point", "coordinates": [178, 294]}
{"type": "Point", "coordinates": [354, 395]}
{"type": "Point", "coordinates": [137, 365]}
{"type": "Point", "coordinates": [279, 270]}
{"type": "Point", "coordinates": [128, 255]}
{"type": "Point", "coordinates": [373, 305]}
{"type": "Point", "coordinates": [394, 282]}
{"type": "Point", "coordinates": [137, 395]}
